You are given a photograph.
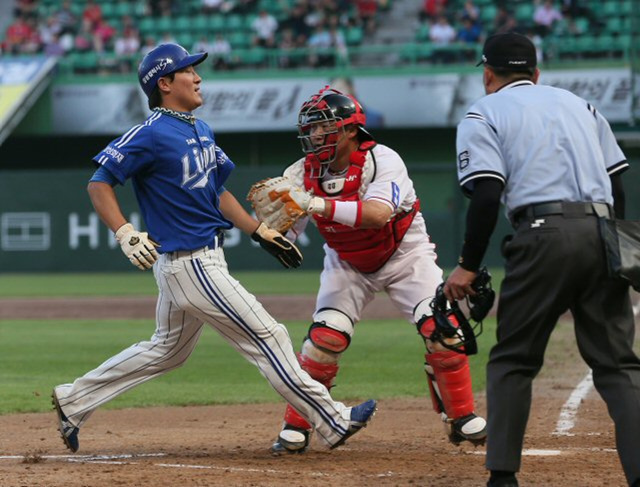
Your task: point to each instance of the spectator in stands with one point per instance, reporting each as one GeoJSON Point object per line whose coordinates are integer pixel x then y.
{"type": "Point", "coordinates": [287, 46]}
{"type": "Point", "coordinates": [17, 35]}
{"type": "Point", "coordinates": [26, 8]}
{"type": "Point", "coordinates": [128, 43]}
{"type": "Point", "coordinates": [212, 6]}
{"type": "Point", "coordinates": [84, 39]}
{"type": "Point", "coordinates": [432, 9]}
{"type": "Point", "coordinates": [572, 9]}
{"type": "Point", "coordinates": [66, 18]}
{"type": "Point", "coordinates": [264, 27]}
{"type": "Point", "coordinates": [296, 22]}
{"type": "Point", "coordinates": [161, 8]}
{"type": "Point", "coordinates": [148, 45]}
{"type": "Point", "coordinates": [320, 43]}
{"type": "Point", "coordinates": [103, 35]}
{"type": "Point", "coordinates": [545, 17]}
{"type": "Point", "coordinates": [470, 32]}
{"type": "Point", "coordinates": [442, 34]}
{"type": "Point", "coordinates": [92, 12]}
{"type": "Point", "coordinates": [470, 11]}
{"type": "Point", "coordinates": [243, 7]}
{"type": "Point", "coordinates": [538, 43]}
{"type": "Point", "coordinates": [504, 21]}
{"type": "Point", "coordinates": [54, 46]}
{"type": "Point", "coordinates": [220, 53]}
{"type": "Point", "coordinates": [367, 12]}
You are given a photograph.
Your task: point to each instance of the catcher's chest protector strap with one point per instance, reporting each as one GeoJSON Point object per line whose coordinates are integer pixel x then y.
{"type": "Point", "coordinates": [353, 177]}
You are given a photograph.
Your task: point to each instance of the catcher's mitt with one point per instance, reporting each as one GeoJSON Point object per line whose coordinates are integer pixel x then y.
{"type": "Point", "coordinates": [273, 205]}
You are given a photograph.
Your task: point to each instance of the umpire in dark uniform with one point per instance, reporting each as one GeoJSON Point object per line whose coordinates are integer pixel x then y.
{"type": "Point", "coordinates": [554, 162]}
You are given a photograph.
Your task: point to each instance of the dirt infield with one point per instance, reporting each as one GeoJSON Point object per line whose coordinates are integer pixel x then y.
{"type": "Point", "coordinates": [228, 445]}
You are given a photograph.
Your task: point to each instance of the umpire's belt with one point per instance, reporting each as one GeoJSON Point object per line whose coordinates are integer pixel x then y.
{"type": "Point", "coordinates": [569, 209]}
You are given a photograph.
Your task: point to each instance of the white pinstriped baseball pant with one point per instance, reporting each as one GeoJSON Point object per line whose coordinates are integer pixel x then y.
{"type": "Point", "coordinates": [196, 288]}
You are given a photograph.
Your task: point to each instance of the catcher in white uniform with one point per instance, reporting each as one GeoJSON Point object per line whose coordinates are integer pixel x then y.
{"type": "Point", "coordinates": [359, 195]}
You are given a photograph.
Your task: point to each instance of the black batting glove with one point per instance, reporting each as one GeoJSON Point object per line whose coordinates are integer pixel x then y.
{"type": "Point", "coordinates": [278, 246]}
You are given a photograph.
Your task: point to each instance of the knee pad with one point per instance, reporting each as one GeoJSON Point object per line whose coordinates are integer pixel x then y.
{"type": "Point", "coordinates": [331, 331]}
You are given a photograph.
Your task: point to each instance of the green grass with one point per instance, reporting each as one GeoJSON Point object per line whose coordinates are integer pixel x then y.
{"type": "Point", "coordinates": [385, 361]}
{"type": "Point", "coordinates": [136, 283]}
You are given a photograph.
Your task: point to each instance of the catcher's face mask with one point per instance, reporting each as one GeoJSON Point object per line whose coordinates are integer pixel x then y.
{"type": "Point", "coordinates": [321, 125]}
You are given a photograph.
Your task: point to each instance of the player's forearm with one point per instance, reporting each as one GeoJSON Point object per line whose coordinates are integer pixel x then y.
{"type": "Point", "coordinates": [236, 214]}
{"type": "Point", "coordinates": [105, 202]}
{"type": "Point", "coordinates": [360, 214]}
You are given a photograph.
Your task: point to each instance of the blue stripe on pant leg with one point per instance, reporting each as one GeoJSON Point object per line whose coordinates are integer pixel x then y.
{"type": "Point", "coordinates": [268, 353]}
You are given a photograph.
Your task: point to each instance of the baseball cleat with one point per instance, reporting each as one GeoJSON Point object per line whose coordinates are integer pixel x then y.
{"type": "Point", "coordinates": [470, 428]}
{"type": "Point", "coordinates": [291, 440]}
{"type": "Point", "coordinates": [360, 417]}
{"type": "Point", "coordinates": [68, 431]}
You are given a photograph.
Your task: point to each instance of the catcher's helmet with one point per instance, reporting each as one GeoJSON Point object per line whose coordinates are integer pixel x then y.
{"type": "Point", "coordinates": [163, 60]}
{"type": "Point", "coordinates": [337, 111]}
{"type": "Point", "coordinates": [452, 323]}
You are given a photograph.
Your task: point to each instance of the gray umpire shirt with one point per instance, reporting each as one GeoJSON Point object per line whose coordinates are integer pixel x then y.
{"type": "Point", "coordinates": [543, 143]}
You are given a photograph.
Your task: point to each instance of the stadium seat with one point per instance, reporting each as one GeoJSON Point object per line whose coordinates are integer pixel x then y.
{"type": "Point", "coordinates": [182, 24]}
{"type": "Point", "coordinates": [354, 35]}
{"type": "Point", "coordinates": [524, 13]}
{"type": "Point", "coordinates": [422, 34]}
{"type": "Point", "coordinates": [216, 24]}
{"type": "Point", "coordinates": [234, 22]}
{"type": "Point", "coordinates": [239, 39]}
{"type": "Point", "coordinates": [199, 24]}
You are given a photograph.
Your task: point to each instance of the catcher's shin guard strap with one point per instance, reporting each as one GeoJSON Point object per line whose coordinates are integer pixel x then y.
{"type": "Point", "coordinates": [453, 382]}
{"type": "Point", "coordinates": [433, 391]}
{"type": "Point", "coordinates": [323, 373]}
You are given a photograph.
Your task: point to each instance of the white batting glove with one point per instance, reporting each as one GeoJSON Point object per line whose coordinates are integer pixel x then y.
{"type": "Point", "coordinates": [305, 200]}
{"type": "Point", "coordinates": [137, 246]}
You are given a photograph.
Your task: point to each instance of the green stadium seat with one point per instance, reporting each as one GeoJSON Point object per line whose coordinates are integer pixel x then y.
{"type": "Point", "coordinates": [251, 57]}
{"type": "Point", "coordinates": [354, 35]}
{"type": "Point", "coordinates": [182, 24]}
{"type": "Point", "coordinates": [582, 25]}
{"type": "Point", "coordinates": [239, 39]}
{"type": "Point", "coordinates": [626, 8]}
{"type": "Point", "coordinates": [216, 24]}
{"type": "Point", "coordinates": [85, 62]}
{"type": "Point", "coordinates": [614, 25]}
{"type": "Point", "coordinates": [108, 10]}
{"type": "Point", "coordinates": [163, 24]}
{"type": "Point", "coordinates": [610, 8]}
{"type": "Point", "coordinates": [422, 34]}
{"type": "Point", "coordinates": [524, 13]}
{"type": "Point", "coordinates": [199, 24]}
{"type": "Point", "coordinates": [186, 39]}
{"type": "Point", "coordinates": [586, 44]}
{"type": "Point", "coordinates": [488, 13]}
{"type": "Point", "coordinates": [123, 8]}
{"type": "Point", "coordinates": [234, 22]}
{"type": "Point", "coordinates": [146, 26]}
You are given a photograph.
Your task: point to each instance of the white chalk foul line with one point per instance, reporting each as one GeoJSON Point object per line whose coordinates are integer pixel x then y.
{"type": "Point", "coordinates": [566, 420]}
{"type": "Point", "coordinates": [85, 458]}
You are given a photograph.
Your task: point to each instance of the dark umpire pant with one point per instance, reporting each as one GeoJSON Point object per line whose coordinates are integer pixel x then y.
{"type": "Point", "coordinates": [556, 263]}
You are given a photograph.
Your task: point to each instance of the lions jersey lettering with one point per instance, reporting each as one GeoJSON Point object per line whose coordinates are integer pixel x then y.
{"type": "Point", "coordinates": [197, 165]}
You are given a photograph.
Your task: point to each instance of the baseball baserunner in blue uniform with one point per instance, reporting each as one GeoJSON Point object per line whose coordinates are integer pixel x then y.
{"type": "Point", "coordinates": [178, 176]}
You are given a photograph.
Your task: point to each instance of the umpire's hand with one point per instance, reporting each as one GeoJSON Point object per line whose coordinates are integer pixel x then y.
{"type": "Point", "coordinates": [458, 284]}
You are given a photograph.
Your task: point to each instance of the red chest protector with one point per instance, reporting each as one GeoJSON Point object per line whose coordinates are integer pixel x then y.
{"type": "Point", "coordinates": [365, 249]}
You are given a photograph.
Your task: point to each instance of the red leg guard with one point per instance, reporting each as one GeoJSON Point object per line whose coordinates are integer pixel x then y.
{"type": "Point", "coordinates": [453, 381]}
{"type": "Point", "coordinates": [323, 373]}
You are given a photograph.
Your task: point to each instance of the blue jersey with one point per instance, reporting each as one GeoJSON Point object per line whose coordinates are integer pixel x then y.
{"type": "Point", "coordinates": [178, 173]}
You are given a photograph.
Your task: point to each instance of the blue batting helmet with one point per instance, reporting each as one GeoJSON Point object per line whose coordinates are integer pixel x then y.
{"type": "Point", "coordinates": [163, 60]}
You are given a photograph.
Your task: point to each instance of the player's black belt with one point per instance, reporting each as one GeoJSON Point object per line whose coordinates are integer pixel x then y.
{"type": "Point", "coordinates": [570, 209]}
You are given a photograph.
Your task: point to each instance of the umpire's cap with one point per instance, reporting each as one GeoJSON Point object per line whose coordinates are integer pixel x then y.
{"type": "Point", "coordinates": [509, 51]}
{"type": "Point", "coordinates": [163, 60]}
